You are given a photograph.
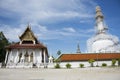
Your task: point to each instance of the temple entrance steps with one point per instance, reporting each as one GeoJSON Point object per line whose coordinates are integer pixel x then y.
{"type": "Point", "coordinates": [28, 65]}
{"type": "Point", "coordinates": [19, 65]}
{"type": "Point", "coordinates": [10, 65]}
{"type": "Point", "coordinates": [41, 65]}
{"type": "Point", "coordinates": [24, 65]}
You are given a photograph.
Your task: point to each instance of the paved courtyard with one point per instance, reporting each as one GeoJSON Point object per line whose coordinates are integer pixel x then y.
{"type": "Point", "coordinates": [61, 74]}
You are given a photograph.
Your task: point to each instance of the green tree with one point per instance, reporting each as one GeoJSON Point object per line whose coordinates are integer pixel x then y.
{"type": "Point", "coordinates": [91, 61]}
{"type": "Point", "coordinates": [3, 42]}
{"type": "Point", "coordinates": [119, 62]}
{"type": "Point", "coordinates": [58, 52]}
{"type": "Point", "coordinates": [113, 62]}
{"type": "Point", "coordinates": [57, 60]}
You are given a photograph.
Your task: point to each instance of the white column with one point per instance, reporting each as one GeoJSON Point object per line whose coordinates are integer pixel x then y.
{"type": "Point", "coordinates": [33, 42]}
{"type": "Point", "coordinates": [16, 58]}
{"type": "Point", "coordinates": [29, 54]}
{"type": "Point", "coordinates": [40, 56]}
{"type": "Point", "coordinates": [29, 58]}
{"type": "Point", "coordinates": [23, 57]}
{"type": "Point", "coordinates": [6, 56]}
{"type": "Point", "coordinates": [44, 56]}
{"type": "Point", "coordinates": [34, 56]}
{"type": "Point", "coordinates": [11, 56]}
{"type": "Point", "coordinates": [20, 42]}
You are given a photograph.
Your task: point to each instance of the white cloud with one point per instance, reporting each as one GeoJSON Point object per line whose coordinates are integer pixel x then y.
{"type": "Point", "coordinates": [11, 34]}
{"type": "Point", "coordinates": [47, 10]}
{"type": "Point", "coordinates": [87, 31]}
{"type": "Point", "coordinates": [42, 33]}
{"type": "Point", "coordinates": [70, 29]}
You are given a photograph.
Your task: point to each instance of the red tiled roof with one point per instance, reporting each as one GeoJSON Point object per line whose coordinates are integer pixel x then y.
{"type": "Point", "coordinates": [18, 46]}
{"type": "Point", "coordinates": [84, 57]}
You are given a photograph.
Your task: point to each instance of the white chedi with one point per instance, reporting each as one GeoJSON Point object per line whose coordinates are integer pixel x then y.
{"type": "Point", "coordinates": [102, 42]}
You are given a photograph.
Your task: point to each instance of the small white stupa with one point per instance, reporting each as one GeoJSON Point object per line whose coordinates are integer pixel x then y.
{"type": "Point", "coordinates": [102, 41]}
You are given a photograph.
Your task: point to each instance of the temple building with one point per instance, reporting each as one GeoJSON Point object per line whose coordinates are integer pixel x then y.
{"type": "Point", "coordinates": [102, 41]}
{"type": "Point", "coordinates": [26, 53]}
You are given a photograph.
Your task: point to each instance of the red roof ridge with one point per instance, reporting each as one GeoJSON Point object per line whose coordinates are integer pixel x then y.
{"type": "Point", "coordinates": [81, 57]}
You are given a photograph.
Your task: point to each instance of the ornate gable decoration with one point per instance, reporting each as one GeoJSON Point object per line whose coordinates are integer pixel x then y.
{"type": "Point", "coordinates": [28, 35]}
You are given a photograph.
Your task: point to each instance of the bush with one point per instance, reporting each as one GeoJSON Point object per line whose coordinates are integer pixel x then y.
{"type": "Point", "coordinates": [57, 66]}
{"type": "Point", "coordinates": [81, 65]}
{"type": "Point", "coordinates": [104, 64]}
{"type": "Point", "coordinates": [68, 65]}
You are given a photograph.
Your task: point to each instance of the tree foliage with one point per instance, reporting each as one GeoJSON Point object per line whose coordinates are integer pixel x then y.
{"type": "Point", "coordinates": [91, 61]}
{"type": "Point", "coordinates": [119, 62]}
{"type": "Point", "coordinates": [113, 62]}
{"type": "Point", "coordinates": [58, 52]}
{"type": "Point", "coordinates": [3, 42]}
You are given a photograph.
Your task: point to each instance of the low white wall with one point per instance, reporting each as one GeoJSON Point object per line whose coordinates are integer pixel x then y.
{"type": "Point", "coordinates": [86, 63]}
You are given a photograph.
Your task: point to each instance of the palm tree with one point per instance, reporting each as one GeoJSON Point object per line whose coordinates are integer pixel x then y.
{"type": "Point", "coordinates": [91, 61]}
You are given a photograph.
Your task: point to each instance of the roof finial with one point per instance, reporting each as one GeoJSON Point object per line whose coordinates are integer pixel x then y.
{"type": "Point", "coordinates": [29, 26]}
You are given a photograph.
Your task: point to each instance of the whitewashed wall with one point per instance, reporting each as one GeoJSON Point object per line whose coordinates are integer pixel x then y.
{"type": "Point", "coordinates": [86, 64]}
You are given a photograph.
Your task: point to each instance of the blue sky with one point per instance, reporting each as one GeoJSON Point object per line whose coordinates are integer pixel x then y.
{"type": "Point", "coordinates": [59, 24]}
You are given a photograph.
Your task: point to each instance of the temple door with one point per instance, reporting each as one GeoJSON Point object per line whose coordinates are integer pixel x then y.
{"type": "Point", "coordinates": [31, 57]}
{"type": "Point", "coordinates": [26, 57]}
{"type": "Point", "coordinates": [20, 55]}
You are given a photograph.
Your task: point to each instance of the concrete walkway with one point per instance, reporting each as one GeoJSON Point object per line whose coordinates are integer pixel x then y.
{"type": "Point", "coordinates": [61, 74]}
